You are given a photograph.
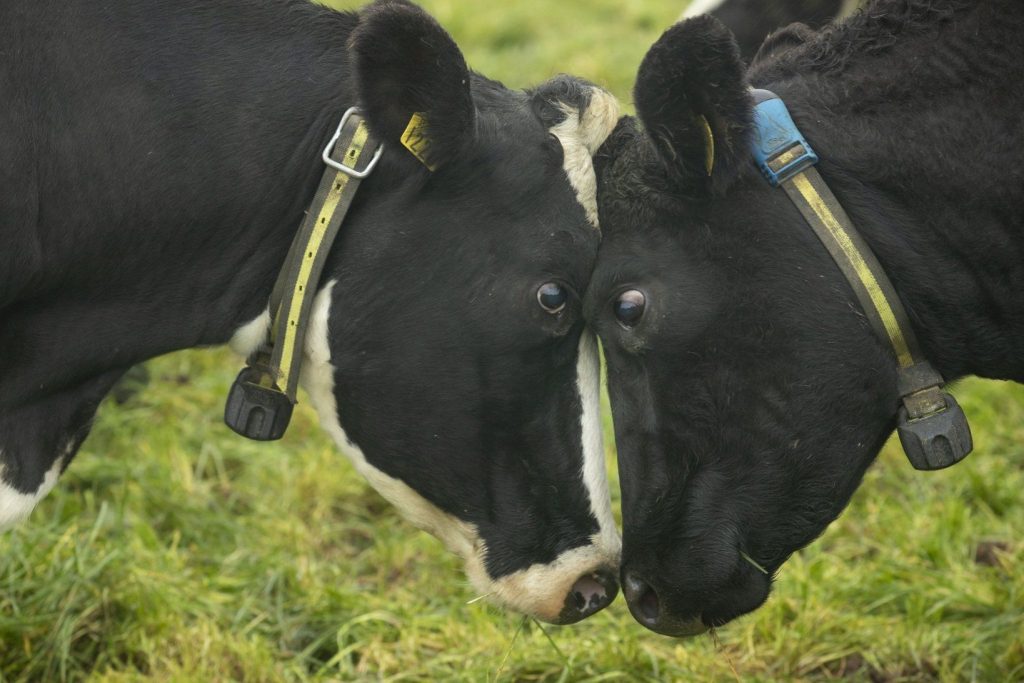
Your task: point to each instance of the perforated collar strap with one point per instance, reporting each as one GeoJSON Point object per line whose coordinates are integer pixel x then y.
{"type": "Point", "coordinates": [261, 399]}
{"type": "Point", "coordinates": [932, 427]}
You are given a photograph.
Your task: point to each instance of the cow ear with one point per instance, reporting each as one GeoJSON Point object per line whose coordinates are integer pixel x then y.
{"type": "Point", "coordinates": [784, 39]}
{"type": "Point", "coordinates": [692, 98]}
{"type": "Point", "coordinates": [412, 81]}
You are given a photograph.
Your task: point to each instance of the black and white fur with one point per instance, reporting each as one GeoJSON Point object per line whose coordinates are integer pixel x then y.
{"type": "Point", "coordinates": [155, 162]}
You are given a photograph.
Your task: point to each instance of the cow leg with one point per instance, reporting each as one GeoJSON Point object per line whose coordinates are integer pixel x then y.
{"type": "Point", "coordinates": [37, 441]}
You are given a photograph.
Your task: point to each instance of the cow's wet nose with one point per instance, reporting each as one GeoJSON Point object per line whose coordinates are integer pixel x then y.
{"type": "Point", "coordinates": [642, 599]}
{"type": "Point", "coordinates": [646, 607]}
{"type": "Point", "coordinates": [591, 593]}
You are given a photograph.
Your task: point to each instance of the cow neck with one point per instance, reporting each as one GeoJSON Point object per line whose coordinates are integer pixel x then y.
{"type": "Point", "coordinates": [930, 423]}
{"type": "Point", "coordinates": [897, 126]}
{"type": "Point", "coordinates": [260, 403]}
{"type": "Point", "coordinates": [177, 247]}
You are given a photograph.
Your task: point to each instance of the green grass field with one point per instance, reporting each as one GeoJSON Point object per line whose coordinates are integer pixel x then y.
{"type": "Point", "coordinates": [173, 550]}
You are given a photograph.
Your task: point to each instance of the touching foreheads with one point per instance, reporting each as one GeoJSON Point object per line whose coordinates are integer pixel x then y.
{"type": "Point", "coordinates": [582, 116]}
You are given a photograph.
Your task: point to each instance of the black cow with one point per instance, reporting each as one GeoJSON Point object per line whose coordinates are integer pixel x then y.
{"type": "Point", "coordinates": [155, 161]}
{"type": "Point", "coordinates": [749, 391]}
{"type": "Point", "coordinates": [752, 20]}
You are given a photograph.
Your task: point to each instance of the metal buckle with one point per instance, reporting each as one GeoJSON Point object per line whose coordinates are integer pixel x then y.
{"type": "Point", "coordinates": [337, 165]}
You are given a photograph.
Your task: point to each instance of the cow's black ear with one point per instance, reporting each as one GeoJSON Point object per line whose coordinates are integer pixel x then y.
{"type": "Point", "coordinates": [784, 39]}
{"type": "Point", "coordinates": [412, 81]}
{"type": "Point", "coordinates": [692, 98]}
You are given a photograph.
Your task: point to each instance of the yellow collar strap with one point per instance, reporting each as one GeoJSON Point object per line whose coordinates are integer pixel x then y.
{"type": "Point", "coordinates": [932, 426]}
{"type": "Point", "coordinates": [260, 403]}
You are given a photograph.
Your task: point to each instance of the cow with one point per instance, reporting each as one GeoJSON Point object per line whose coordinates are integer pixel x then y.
{"type": "Point", "coordinates": [748, 389]}
{"type": "Point", "coordinates": [156, 160]}
{"type": "Point", "coordinates": [752, 20]}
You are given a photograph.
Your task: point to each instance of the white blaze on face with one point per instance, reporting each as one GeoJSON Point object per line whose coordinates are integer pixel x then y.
{"type": "Point", "coordinates": [15, 505]}
{"type": "Point", "coordinates": [595, 475]}
{"type": "Point", "coordinates": [581, 134]}
{"type": "Point", "coordinates": [539, 590]}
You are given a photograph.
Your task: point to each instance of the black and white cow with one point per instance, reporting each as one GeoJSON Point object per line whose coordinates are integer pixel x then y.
{"type": "Point", "coordinates": [748, 390]}
{"type": "Point", "coordinates": [752, 20]}
{"type": "Point", "coordinates": [155, 162]}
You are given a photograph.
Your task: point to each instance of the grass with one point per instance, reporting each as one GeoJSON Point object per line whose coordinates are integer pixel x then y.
{"type": "Point", "coordinates": [174, 551]}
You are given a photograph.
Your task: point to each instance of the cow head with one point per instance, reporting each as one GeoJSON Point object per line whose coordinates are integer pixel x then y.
{"type": "Point", "coordinates": [447, 355]}
{"type": "Point", "coordinates": [748, 392]}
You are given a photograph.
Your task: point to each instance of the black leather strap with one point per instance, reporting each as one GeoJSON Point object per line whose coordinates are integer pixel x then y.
{"type": "Point", "coordinates": [292, 298]}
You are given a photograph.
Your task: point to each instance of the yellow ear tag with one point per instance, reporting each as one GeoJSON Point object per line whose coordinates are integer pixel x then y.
{"type": "Point", "coordinates": [709, 145]}
{"type": "Point", "coordinates": [415, 139]}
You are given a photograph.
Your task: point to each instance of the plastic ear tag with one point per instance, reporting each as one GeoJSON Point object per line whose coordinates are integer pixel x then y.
{"type": "Point", "coordinates": [709, 144]}
{"type": "Point", "coordinates": [938, 439]}
{"type": "Point", "coordinates": [255, 408]}
{"type": "Point", "coordinates": [415, 139]}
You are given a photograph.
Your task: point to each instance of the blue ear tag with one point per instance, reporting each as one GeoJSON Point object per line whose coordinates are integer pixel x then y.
{"type": "Point", "coordinates": [779, 149]}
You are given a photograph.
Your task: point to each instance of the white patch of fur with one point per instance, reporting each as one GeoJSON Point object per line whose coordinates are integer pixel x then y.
{"type": "Point", "coordinates": [581, 134]}
{"type": "Point", "coordinates": [699, 7]}
{"type": "Point", "coordinates": [538, 590]}
{"type": "Point", "coordinates": [595, 475]}
{"type": "Point", "coordinates": [15, 505]}
{"type": "Point", "coordinates": [249, 336]}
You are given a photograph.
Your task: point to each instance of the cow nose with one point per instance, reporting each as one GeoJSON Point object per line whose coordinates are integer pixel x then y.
{"type": "Point", "coordinates": [590, 594]}
{"type": "Point", "coordinates": [642, 599]}
{"type": "Point", "coordinates": [646, 608]}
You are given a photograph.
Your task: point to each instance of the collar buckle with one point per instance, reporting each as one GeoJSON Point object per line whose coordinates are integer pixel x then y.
{"type": "Point", "coordinates": [337, 165]}
{"type": "Point", "coordinates": [780, 150]}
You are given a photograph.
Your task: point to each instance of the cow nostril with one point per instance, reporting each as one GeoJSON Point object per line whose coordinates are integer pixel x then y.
{"type": "Point", "coordinates": [649, 605]}
{"type": "Point", "coordinates": [594, 591]}
{"type": "Point", "coordinates": [647, 608]}
{"type": "Point", "coordinates": [642, 599]}
{"type": "Point", "coordinates": [591, 593]}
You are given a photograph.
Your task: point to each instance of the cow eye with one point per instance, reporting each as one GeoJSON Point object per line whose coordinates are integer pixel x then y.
{"type": "Point", "coordinates": [629, 307]}
{"type": "Point", "coordinates": [552, 297]}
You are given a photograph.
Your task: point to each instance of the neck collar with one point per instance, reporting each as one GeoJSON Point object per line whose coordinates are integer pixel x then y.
{"type": "Point", "coordinates": [932, 426]}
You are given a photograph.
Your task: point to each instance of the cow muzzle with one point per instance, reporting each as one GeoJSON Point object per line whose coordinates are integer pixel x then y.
{"type": "Point", "coordinates": [688, 605]}
{"type": "Point", "coordinates": [577, 584]}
